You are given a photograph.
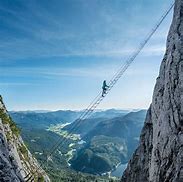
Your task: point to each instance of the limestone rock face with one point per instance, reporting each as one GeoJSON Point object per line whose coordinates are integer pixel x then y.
{"type": "Point", "coordinates": [159, 157]}
{"type": "Point", "coordinates": [16, 162]}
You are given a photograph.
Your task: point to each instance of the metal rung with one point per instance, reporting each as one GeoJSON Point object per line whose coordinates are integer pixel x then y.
{"type": "Point", "coordinates": [29, 178]}
{"type": "Point", "coordinates": [27, 175]}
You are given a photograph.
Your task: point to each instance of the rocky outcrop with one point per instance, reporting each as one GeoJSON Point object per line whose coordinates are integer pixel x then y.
{"type": "Point", "coordinates": [16, 162]}
{"type": "Point", "coordinates": [159, 157]}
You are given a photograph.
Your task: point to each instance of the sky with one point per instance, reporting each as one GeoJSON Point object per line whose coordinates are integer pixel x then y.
{"type": "Point", "coordinates": [55, 54]}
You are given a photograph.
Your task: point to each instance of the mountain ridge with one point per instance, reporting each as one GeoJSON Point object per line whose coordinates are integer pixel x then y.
{"type": "Point", "coordinates": [16, 162]}
{"type": "Point", "coordinates": [109, 142]}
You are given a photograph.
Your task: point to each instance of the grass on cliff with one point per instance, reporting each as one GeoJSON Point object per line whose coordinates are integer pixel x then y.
{"type": "Point", "coordinates": [8, 120]}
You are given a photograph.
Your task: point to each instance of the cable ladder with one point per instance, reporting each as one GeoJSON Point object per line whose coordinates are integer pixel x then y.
{"type": "Point", "coordinates": [99, 98]}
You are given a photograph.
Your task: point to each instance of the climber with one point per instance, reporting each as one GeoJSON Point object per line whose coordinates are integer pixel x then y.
{"type": "Point", "coordinates": [104, 88]}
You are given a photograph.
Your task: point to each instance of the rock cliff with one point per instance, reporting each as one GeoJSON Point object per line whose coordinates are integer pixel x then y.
{"type": "Point", "coordinates": [16, 162]}
{"type": "Point", "coordinates": [159, 157]}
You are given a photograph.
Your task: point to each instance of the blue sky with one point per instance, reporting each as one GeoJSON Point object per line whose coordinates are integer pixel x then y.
{"type": "Point", "coordinates": [55, 54]}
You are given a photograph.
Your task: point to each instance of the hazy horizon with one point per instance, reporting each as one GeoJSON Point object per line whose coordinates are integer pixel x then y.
{"type": "Point", "coordinates": [96, 110]}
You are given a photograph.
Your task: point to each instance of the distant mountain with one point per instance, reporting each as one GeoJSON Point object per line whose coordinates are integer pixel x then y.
{"type": "Point", "coordinates": [42, 119]}
{"type": "Point", "coordinates": [110, 113]}
{"type": "Point", "coordinates": [109, 143]}
{"type": "Point", "coordinates": [84, 126]}
{"type": "Point", "coordinates": [127, 127]}
{"type": "Point", "coordinates": [123, 127]}
{"type": "Point", "coordinates": [31, 119]}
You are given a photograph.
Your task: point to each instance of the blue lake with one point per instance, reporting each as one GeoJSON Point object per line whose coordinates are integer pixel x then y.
{"type": "Point", "coordinates": [119, 170]}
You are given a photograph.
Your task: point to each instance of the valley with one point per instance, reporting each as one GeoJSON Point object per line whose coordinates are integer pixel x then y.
{"type": "Point", "coordinates": [100, 147]}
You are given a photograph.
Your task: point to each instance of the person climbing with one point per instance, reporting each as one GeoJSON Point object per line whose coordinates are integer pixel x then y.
{"type": "Point", "coordinates": [104, 88]}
